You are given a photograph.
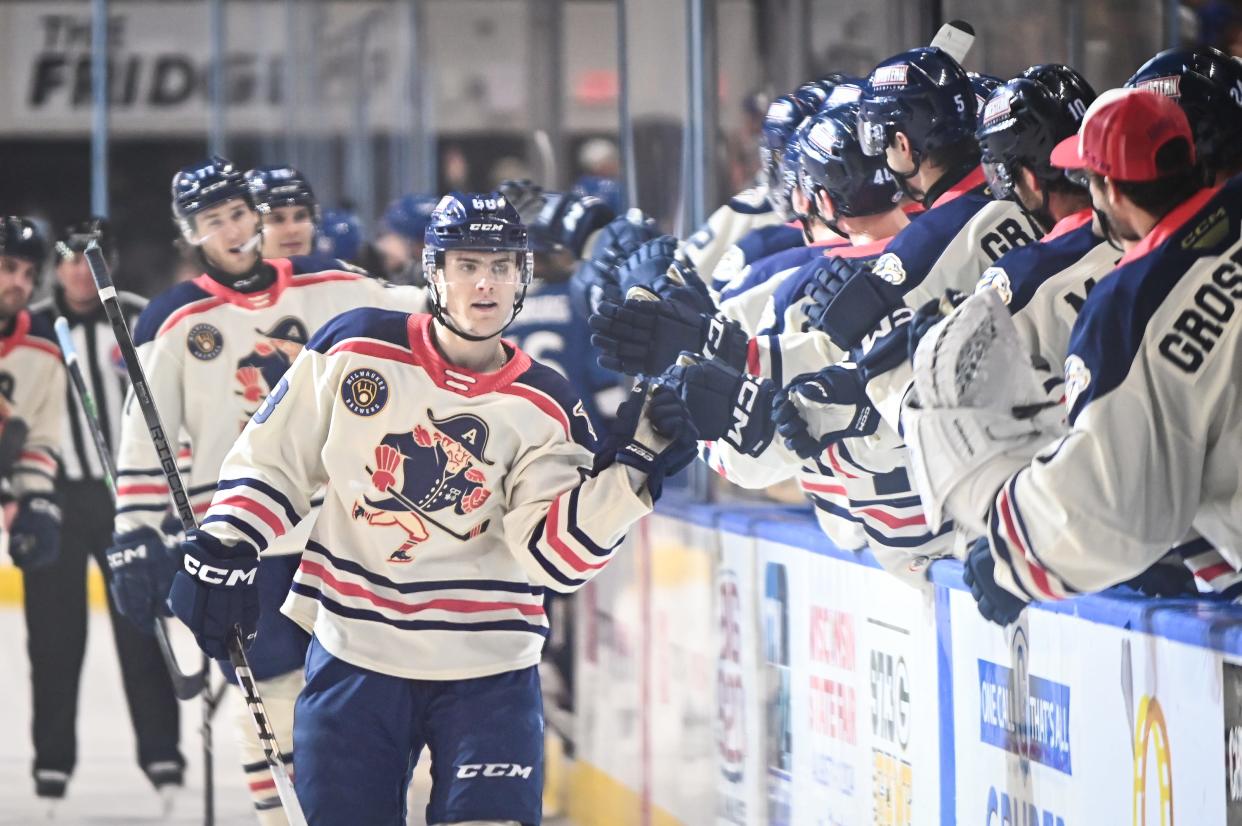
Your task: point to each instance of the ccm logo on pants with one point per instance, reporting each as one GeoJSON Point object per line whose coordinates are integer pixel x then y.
{"type": "Point", "coordinates": [468, 770]}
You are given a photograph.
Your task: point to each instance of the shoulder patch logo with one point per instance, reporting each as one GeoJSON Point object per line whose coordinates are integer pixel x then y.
{"type": "Point", "coordinates": [364, 392]}
{"type": "Point", "coordinates": [889, 267]}
{"type": "Point", "coordinates": [1077, 379]}
{"type": "Point", "coordinates": [205, 342]}
{"type": "Point", "coordinates": [995, 278]}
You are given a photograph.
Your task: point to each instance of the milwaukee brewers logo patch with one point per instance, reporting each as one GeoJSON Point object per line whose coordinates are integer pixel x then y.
{"type": "Point", "coordinates": [204, 342]}
{"type": "Point", "coordinates": [364, 391]}
{"type": "Point", "coordinates": [1077, 379]}
{"type": "Point", "coordinates": [995, 278]}
{"type": "Point", "coordinates": [889, 267]}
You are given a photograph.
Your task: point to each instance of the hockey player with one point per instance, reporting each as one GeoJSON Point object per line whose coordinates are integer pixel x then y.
{"type": "Point", "coordinates": [213, 348]}
{"type": "Point", "coordinates": [1207, 84]}
{"type": "Point", "coordinates": [32, 397]}
{"type": "Point", "coordinates": [400, 240]}
{"type": "Point", "coordinates": [1149, 384]}
{"type": "Point", "coordinates": [918, 111]}
{"type": "Point", "coordinates": [290, 212]}
{"type": "Point", "coordinates": [462, 482]}
{"type": "Point", "coordinates": [56, 595]}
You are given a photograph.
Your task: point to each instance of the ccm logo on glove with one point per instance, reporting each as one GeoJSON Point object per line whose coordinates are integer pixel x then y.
{"type": "Point", "coordinates": [743, 408]}
{"type": "Point", "coordinates": [218, 576]}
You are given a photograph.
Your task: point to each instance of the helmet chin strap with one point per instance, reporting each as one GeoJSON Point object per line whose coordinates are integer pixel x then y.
{"type": "Point", "coordinates": [441, 315]}
{"type": "Point", "coordinates": [903, 178]}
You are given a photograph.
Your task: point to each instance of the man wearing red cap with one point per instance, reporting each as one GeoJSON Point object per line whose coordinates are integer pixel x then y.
{"type": "Point", "coordinates": [1154, 439]}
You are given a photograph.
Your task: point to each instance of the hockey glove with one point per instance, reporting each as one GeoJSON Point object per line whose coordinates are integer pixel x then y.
{"type": "Point", "coordinates": [566, 222]}
{"type": "Point", "coordinates": [596, 279]}
{"type": "Point", "coordinates": [215, 591]}
{"type": "Point", "coordinates": [524, 195]}
{"type": "Point", "coordinates": [34, 536]}
{"type": "Point", "coordinates": [140, 572]}
{"type": "Point", "coordinates": [847, 301]}
{"type": "Point", "coordinates": [817, 409]}
{"type": "Point", "coordinates": [724, 402]}
{"type": "Point", "coordinates": [1167, 578]}
{"type": "Point", "coordinates": [645, 336]}
{"type": "Point", "coordinates": [657, 450]}
{"type": "Point", "coordinates": [644, 265]}
{"type": "Point", "coordinates": [995, 603]}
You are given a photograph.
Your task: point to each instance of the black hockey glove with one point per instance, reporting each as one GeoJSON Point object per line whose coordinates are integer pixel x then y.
{"type": "Point", "coordinates": [34, 536]}
{"type": "Point", "coordinates": [524, 195]}
{"type": "Point", "coordinates": [215, 591]}
{"type": "Point", "coordinates": [847, 301]}
{"type": "Point", "coordinates": [995, 603]}
{"type": "Point", "coordinates": [641, 336]}
{"type": "Point", "coordinates": [724, 402]}
{"type": "Point", "coordinates": [649, 262]}
{"type": "Point", "coordinates": [650, 435]}
{"type": "Point", "coordinates": [596, 278]}
{"type": "Point", "coordinates": [140, 572]}
{"type": "Point", "coordinates": [1167, 578]}
{"type": "Point", "coordinates": [817, 409]}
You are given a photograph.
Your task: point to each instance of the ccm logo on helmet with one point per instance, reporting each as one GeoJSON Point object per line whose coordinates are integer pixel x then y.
{"type": "Point", "coordinates": [1197, 328]}
{"type": "Point", "coordinates": [218, 576]}
{"type": "Point", "coordinates": [469, 770]}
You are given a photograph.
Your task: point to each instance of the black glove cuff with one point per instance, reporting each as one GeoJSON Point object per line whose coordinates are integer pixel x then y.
{"type": "Point", "coordinates": [861, 304]}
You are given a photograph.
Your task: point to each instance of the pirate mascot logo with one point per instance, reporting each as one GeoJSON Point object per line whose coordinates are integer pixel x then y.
{"type": "Point", "coordinates": [259, 371]}
{"type": "Point", "coordinates": [426, 470]}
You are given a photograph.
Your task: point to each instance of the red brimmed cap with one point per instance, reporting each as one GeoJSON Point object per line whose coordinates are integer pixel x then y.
{"type": "Point", "coordinates": [1121, 133]}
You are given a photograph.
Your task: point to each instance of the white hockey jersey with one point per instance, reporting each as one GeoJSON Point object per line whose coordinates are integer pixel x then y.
{"type": "Point", "coordinates": [453, 499]}
{"type": "Point", "coordinates": [1152, 386]}
{"type": "Point", "coordinates": [32, 388]}
{"type": "Point", "coordinates": [211, 356]}
{"type": "Point", "coordinates": [742, 213]}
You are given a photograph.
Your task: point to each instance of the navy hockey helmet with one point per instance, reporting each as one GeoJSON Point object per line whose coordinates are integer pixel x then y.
{"type": "Point", "coordinates": [202, 185]}
{"type": "Point", "coordinates": [1207, 84]}
{"type": "Point", "coordinates": [1022, 122]}
{"type": "Point", "coordinates": [408, 215]}
{"type": "Point", "coordinates": [279, 186]}
{"type": "Point", "coordinates": [790, 174]}
{"type": "Point", "coordinates": [340, 234]}
{"type": "Point", "coordinates": [923, 93]}
{"type": "Point", "coordinates": [833, 161]}
{"type": "Point", "coordinates": [783, 117]}
{"type": "Point", "coordinates": [1066, 84]}
{"type": "Point", "coordinates": [474, 221]}
{"type": "Point", "coordinates": [74, 239]}
{"type": "Point", "coordinates": [21, 238]}
{"type": "Point", "coordinates": [984, 86]}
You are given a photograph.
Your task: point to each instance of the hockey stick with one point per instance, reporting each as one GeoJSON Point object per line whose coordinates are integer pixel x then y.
{"type": "Point", "coordinates": [470, 534]}
{"type": "Point", "coordinates": [955, 39]}
{"type": "Point", "coordinates": [181, 501]}
{"type": "Point", "coordinates": [185, 686]}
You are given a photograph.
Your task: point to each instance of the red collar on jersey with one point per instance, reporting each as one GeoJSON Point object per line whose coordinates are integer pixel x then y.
{"type": "Point", "coordinates": [960, 188]}
{"type": "Point", "coordinates": [20, 338]}
{"type": "Point", "coordinates": [251, 301]}
{"type": "Point", "coordinates": [1068, 224]}
{"type": "Point", "coordinates": [1169, 224]}
{"type": "Point", "coordinates": [459, 379]}
{"type": "Point", "coordinates": [860, 251]}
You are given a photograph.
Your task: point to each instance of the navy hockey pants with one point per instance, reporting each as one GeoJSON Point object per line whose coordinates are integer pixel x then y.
{"type": "Point", "coordinates": [359, 734]}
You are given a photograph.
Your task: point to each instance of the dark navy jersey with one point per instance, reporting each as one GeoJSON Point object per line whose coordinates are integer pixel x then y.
{"type": "Point", "coordinates": [551, 332]}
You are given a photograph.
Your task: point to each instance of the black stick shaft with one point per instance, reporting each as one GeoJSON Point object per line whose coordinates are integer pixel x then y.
{"type": "Point", "coordinates": [181, 501]}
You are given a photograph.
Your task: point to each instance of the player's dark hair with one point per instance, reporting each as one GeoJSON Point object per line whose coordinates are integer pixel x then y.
{"type": "Point", "coordinates": [1181, 179]}
{"type": "Point", "coordinates": [960, 154]}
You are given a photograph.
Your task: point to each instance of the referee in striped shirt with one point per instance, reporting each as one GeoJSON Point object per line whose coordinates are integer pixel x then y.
{"type": "Point", "coordinates": [56, 613]}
